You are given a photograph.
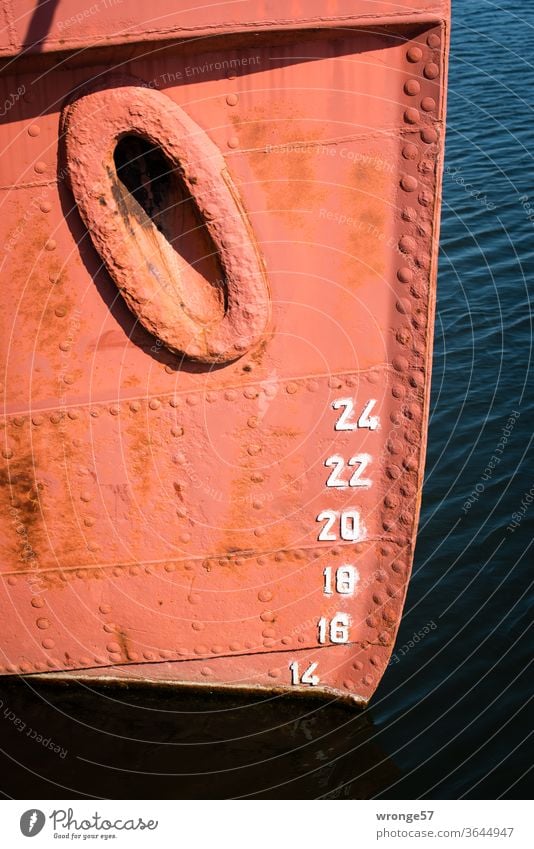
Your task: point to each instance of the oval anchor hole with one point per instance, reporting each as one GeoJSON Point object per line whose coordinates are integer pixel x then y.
{"type": "Point", "coordinates": [165, 216]}
{"type": "Point", "coordinates": [149, 189]}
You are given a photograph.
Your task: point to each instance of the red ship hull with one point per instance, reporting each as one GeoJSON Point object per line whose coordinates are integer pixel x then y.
{"type": "Point", "coordinates": [219, 277]}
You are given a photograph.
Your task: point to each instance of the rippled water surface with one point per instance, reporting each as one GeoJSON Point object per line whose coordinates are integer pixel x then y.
{"type": "Point", "coordinates": [452, 711]}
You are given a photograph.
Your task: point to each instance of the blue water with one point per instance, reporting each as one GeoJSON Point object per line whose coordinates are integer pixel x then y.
{"type": "Point", "coordinates": [452, 711]}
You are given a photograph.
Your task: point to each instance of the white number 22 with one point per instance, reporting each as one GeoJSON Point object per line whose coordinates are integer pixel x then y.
{"type": "Point", "coordinates": [337, 463]}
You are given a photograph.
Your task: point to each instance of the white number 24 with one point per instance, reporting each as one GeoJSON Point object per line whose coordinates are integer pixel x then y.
{"type": "Point", "coordinates": [346, 422]}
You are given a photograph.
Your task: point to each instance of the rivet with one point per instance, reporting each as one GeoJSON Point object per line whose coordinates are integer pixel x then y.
{"type": "Point", "coordinates": [335, 383]}
{"type": "Point", "coordinates": [414, 54]}
{"type": "Point", "coordinates": [18, 421]}
{"type": "Point", "coordinates": [232, 99]}
{"type": "Point", "coordinates": [428, 104]}
{"type": "Point", "coordinates": [45, 206]}
{"type": "Point", "coordinates": [54, 277]}
{"type": "Point", "coordinates": [37, 602]}
{"type": "Point", "coordinates": [68, 379]}
{"type": "Point", "coordinates": [235, 646]}
{"type": "Point", "coordinates": [267, 616]}
{"type": "Point", "coordinates": [431, 71]}
{"type": "Point", "coordinates": [269, 643]}
{"type": "Point", "coordinates": [257, 504]}
{"type": "Point", "coordinates": [194, 598]}
{"type": "Point", "coordinates": [410, 151]}
{"type": "Point", "coordinates": [197, 626]}
{"type": "Point", "coordinates": [43, 624]}
{"type": "Point", "coordinates": [405, 275]}
{"type": "Point", "coordinates": [412, 87]}
{"type": "Point", "coordinates": [429, 135]}
{"type": "Point", "coordinates": [113, 647]}
{"type": "Point", "coordinates": [257, 477]}
{"type": "Point", "coordinates": [389, 616]}
{"type": "Point", "coordinates": [93, 546]}
{"type": "Point", "coordinates": [250, 392]}
{"type": "Point", "coordinates": [265, 595]}
{"type": "Point", "coordinates": [425, 198]}
{"type": "Point", "coordinates": [411, 115]}
{"type": "Point", "coordinates": [85, 496]}
{"type": "Point", "coordinates": [393, 472]}
{"type": "Point", "coordinates": [254, 449]}
{"type": "Point", "coordinates": [371, 621]}
{"type": "Point", "coordinates": [64, 346]}
{"type": "Point", "coordinates": [114, 410]}
{"type": "Point", "coordinates": [291, 388]}
{"type": "Point", "coordinates": [233, 142]}
{"type": "Point", "coordinates": [7, 453]}
{"type": "Point", "coordinates": [268, 632]}
{"type": "Point", "coordinates": [105, 609]}
{"type": "Point", "coordinates": [40, 167]}
{"type": "Point", "coordinates": [407, 244]}
{"type": "Point", "coordinates": [135, 406]}
{"type": "Point", "coordinates": [409, 214]}
{"type": "Point", "coordinates": [403, 306]}
{"type": "Point", "coordinates": [273, 673]}
{"type": "Point", "coordinates": [170, 567]}
{"type": "Point", "coordinates": [154, 404]}
{"type": "Point", "coordinates": [312, 385]}
{"type": "Point", "coordinates": [260, 532]}
{"type": "Point", "coordinates": [403, 335]}
{"type": "Point", "coordinates": [252, 421]}
{"type": "Point", "coordinates": [192, 400]}
{"type": "Point", "coordinates": [230, 394]}
{"type": "Point", "coordinates": [165, 654]}
{"type": "Point", "coordinates": [109, 627]}
{"type": "Point", "coordinates": [205, 671]}
{"type": "Point", "coordinates": [177, 430]}
{"type": "Point", "coordinates": [400, 363]}
{"type": "Point", "coordinates": [73, 415]}
{"type": "Point", "coordinates": [50, 245]}
{"type": "Point", "coordinates": [34, 130]}
{"type": "Point", "coordinates": [408, 183]}
{"type": "Point", "coordinates": [368, 680]}
{"type": "Point", "coordinates": [134, 570]}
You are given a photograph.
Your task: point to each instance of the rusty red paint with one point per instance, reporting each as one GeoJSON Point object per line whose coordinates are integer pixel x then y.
{"type": "Point", "coordinates": [166, 446]}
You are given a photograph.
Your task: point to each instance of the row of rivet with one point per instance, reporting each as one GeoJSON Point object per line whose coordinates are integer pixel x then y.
{"type": "Point", "coordinates": [250, 393]}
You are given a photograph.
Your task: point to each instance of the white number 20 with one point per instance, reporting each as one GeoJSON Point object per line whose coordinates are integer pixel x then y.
{"type": "Point", "coordinates": [349, 525]}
